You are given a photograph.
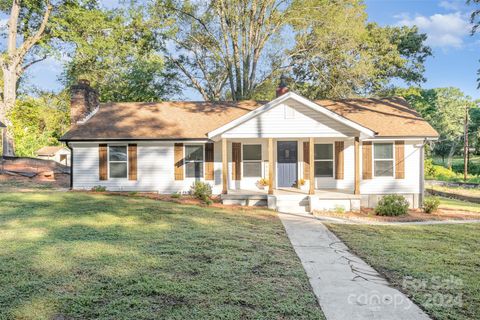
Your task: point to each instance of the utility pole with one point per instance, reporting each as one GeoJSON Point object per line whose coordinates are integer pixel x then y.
{"type": "Point", "coordinates": [465, 145]}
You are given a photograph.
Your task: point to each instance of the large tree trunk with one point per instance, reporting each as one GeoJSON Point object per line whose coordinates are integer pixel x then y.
{"type": "Point", "coordinates": [451, 153]}
{"type": "Point", "coordinates": [9, 97]}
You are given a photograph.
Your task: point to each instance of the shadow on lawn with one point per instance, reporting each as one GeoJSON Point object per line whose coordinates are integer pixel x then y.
{"type": "Point", "coordinates": [117, 257]}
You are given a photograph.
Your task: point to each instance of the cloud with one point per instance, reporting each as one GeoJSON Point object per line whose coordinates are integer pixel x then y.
{"type": "Point", "coordinates": [454, 5]}
{"type": "Point", "coordinates": [443, 30]}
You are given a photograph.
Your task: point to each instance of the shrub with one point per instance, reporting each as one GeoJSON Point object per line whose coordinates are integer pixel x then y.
{"type": "Point", "coordinates": [300, 182]}
{"type": "Point", "coordinates": [202, 191]}
{"type": "Point", "coordinates": [339, 209]}
{"type": "Point", "coordinates": [445, 174]}
{"type": "Point", "coordinates": [176, 195]}
{"type": "Point", "coordinates": [99, 189]}
{"type": "Point", "coordinates": [430, 204]}
{"type": "Point", "coordinates": [392, 205]}
{"type": "Point", "coordinates": [430, 169]}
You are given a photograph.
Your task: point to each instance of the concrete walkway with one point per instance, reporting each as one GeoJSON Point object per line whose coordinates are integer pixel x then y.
{"type": "Point", "coordinates": [346, 287]}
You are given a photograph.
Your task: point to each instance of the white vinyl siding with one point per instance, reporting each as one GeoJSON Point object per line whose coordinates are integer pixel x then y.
{"type": "Point", "coordinates": [301, 122]}
{"type": "Point", "coordinates": [155, 169]}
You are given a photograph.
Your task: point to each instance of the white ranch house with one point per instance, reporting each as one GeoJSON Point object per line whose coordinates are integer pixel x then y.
{"type": "Point", "coordinates": [291, 153]}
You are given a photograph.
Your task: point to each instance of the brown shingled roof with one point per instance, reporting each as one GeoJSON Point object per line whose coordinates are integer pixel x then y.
{"type": "Point", "coordinates": [388, 117]}
{"type": "Point", "coordinates": [193, 120]}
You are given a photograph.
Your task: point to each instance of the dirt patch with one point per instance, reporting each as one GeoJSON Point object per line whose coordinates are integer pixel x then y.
{"type": "Point", "coordinates": [413, 215]}
{"type": "Point", "coordinates": [9, 183]}
{"type": "Point", "coordinates": [32, 165]}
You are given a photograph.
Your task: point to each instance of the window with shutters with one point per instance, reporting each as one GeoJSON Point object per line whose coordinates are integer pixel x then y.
{"type": "Point", "coordinates": [117, 161]}
{"type": "Point", "coordinates": [194, 156]}
{"type": "Point", "coordinates": [383, 161]}
{"type": "Point", "coordinates": [323, 156]}
{"type": "Point", "coordinates": [252, 160]}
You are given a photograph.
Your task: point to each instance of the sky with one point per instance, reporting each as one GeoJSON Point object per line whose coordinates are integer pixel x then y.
{"type": "Point", "coordinates": [455, 58]}
{"type": "Point", "coordinates": [456, 53]}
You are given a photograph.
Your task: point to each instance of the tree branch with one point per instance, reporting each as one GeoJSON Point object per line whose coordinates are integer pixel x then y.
{"type": "Point", "coordinates": [31, 41]}
{"type": "Point", "coordinates": [28, 65]}
{"type": "Point", "coordinates": [192, 79]}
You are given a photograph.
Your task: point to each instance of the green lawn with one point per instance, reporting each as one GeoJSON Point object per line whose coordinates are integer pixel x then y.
{"type": "Point", "coordinates": [447, 203]}
{"type": "Point", "coordinates": [83, 256]}
{"type": "Point", "coordinates": [443, 262]}
{"type": "Point", "coordinates": [469, 192]}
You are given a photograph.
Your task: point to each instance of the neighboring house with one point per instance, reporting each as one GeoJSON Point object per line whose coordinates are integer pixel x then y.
{"type": "Point", "coordinates": [348, 152]}
{"type": "Point", "coordinates": [59, 154]}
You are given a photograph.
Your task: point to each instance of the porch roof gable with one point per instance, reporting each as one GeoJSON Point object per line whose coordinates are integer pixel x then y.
{"type": "Point", "coordinates": [366, 132]}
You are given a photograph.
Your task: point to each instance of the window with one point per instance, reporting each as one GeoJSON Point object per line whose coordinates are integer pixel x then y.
{"type": "Point", "coordinates": [194, 161]}
{"type": "Point", "coordinates": [118, 161]}
{"type": "Point", "coordinates": [383, 159]}
{"type": "Point", "coordinates": [252, 160]}
{"type": "Point", "coordinates": [323, 156]}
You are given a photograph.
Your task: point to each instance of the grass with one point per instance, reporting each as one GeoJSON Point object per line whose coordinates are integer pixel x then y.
{"type": "Point", "coordinates": [471, 192]}
{"type": "Point", "coordinates": [437, 265]}
{"type": "Point", "coordinates": [84, 256]}
{"type": "Point", "coordinates": [447, 203]}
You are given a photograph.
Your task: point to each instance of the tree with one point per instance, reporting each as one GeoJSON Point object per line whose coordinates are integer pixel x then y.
{"type": "Point", "coordinates": [32, 36]}
{"type": "Point", "coordinates": [38, 122]}
{"type": "Point", "coordinates": [475, 16]}
{"type": "Point", "coordinates": [475, 20]}
{"type": "Point", "coordinates": [475, 127]}
{"type": "Point", "coordinates": [29, 22]}
{"type": "Point", "coordinates": [444, 109]}
{"type": "Point", "coordinates": [116, 50]}
{"type": "Point", "coordinates": [220, 45]}
{"type": "Point", "coordinates": [338, 54]}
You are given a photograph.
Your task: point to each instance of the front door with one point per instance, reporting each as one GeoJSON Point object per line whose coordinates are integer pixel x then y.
{"type": "Point", "coordinates": [287, 163]}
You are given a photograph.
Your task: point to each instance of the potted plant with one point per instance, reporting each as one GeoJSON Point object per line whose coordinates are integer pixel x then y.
{"type": "Point", "coordinates": [262, 183]}
{"type": "Point", "coordinates": [300, 183]}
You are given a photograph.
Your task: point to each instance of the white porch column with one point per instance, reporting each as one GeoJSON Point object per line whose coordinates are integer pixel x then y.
{"type": "Point", "coordinates": [356, 189]}
{"type": "Point", "coordinates": [224, 166]}
{"type": "Point", "coordinates": [270, 166]}
{"type": "Point", "coordinates": [311, 145]}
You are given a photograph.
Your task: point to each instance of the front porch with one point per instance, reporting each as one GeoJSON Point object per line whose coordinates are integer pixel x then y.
{"type": "Point", "coordinates": [323, 167]}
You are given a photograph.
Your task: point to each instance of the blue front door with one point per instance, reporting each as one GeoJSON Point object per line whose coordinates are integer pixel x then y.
{"type": "Point", "coordinates": [287, 163]}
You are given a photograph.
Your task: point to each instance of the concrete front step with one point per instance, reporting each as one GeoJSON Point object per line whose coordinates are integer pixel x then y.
{"type": "Point", "coordinates": [257, 200]}
{"type": "Point", "coordinates": [289, 203]}
{"type": "Point", "coordinates": [293, 203]}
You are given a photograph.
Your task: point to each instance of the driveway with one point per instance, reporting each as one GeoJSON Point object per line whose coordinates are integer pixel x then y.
{"type": "Point", "coordinates": [346, 287]}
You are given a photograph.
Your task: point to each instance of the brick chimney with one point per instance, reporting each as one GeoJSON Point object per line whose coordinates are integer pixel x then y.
{"type": "Point", "coordinates": [83, 100]}
{"type": "Point", "coordinates": [282, 87]}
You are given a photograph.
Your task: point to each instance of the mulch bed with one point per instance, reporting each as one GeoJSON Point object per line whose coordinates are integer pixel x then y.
{"type": "Point", "coordinates": [185, 199]}
{"type": "Point", "coordinates": [412, 215]}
